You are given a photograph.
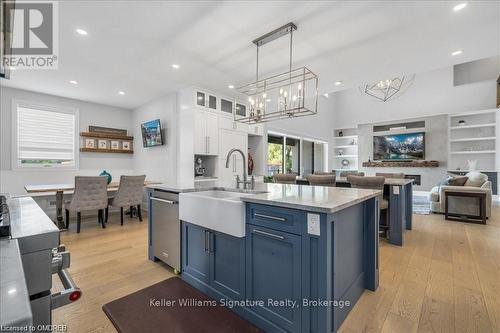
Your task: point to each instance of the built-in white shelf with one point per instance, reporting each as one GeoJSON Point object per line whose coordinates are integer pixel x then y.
{"type": "Point", "coordinates": [474, 152]}
{"type": "Point", "coordinates": [348, 141]}
{"type": "Point", "coordinates": [475, 141]}
{"type": "Point", "coordinates": [472, 126]}
{"type": "Point", "coordinates": [346, 137]}
{"type": "Point", "coordinates": [346, 146]}
{"type": "Point", "coordinates": [489, 138]}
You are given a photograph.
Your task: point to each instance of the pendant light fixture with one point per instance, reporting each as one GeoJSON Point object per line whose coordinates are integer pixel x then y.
{"type": "Point", "coordinates": [291, 94]}
{"type": "Point", "coordinates": [389, 89]}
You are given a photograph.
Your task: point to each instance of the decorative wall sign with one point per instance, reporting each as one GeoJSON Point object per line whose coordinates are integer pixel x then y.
{"type": "Point", "coordinates": [89, 143]}
{"type": "Point", "coordinates": [108, 130]}
{"type": "Point", "coordinates": [103, 144]}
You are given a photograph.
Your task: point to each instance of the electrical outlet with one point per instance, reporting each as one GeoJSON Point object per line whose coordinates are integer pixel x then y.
{"type": "Point", "coordinates": [313, 226]}
{"type": "Point", "coordinates": [395, 190]}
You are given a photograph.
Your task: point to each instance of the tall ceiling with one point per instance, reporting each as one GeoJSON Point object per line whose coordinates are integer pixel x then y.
{"type": "Point", "coordinates": [131, 45]}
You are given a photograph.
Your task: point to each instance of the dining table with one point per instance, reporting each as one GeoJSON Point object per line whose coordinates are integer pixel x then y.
{"type": "Point", "coordinates": [60, 189]}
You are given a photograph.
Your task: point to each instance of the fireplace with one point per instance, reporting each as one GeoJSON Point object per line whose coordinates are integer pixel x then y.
{"type": "Point", "coordinates": [417, 179]}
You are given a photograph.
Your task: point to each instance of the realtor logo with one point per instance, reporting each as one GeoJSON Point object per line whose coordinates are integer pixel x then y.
{"type": "Point", "coordinates": [34, 39]}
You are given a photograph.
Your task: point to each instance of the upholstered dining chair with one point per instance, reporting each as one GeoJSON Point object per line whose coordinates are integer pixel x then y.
{"type": "Point", "coordinates": [285, 178]}
{"type": "Point", "coordinates": [91, 193]}
{"type": "Point", "coordinates": [323, 173]}
{"type": "Point", "coordinates": [321, 180]}
{"type": "Point", "coordinates": [373, 183]}
{"type": "Point", "coordinates": [398, 175]}
{"type": "Point", "coordinates": [130, 193]}
{"type": "Point", "coordinates": [351, 173]}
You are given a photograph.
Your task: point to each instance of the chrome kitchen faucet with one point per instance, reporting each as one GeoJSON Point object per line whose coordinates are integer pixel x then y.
{"type": "Point", "coordinates": [245, 180]}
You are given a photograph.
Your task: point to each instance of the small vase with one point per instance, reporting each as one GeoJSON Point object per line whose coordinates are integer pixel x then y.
{"type": "Point", "coordinates": [106, 174]}
{"type": "Point", "coordinates": [472, 164]}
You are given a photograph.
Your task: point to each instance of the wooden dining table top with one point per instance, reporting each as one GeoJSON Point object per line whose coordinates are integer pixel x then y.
{"type": "Point", "coordinates": [41, 188]}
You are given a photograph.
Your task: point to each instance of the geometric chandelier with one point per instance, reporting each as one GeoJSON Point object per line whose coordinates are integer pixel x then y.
{"type": "Point", "coordinates": [386, 90]}
{"type": "Point", "coordinates": [290, 94]}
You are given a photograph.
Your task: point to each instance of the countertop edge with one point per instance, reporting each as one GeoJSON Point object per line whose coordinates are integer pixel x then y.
{"type": "Point", "coordinates": [309, 208]}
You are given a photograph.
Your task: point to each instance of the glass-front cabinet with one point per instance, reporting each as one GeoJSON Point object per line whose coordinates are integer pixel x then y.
{"type": "Point", "coordinates": [212, 102]}
{"type": "Point", "coordinates": [241, 110]}
{"type": "Point", "coordinates": [200, 98]}
{"type": "Point", "coordinates": [226, 106]}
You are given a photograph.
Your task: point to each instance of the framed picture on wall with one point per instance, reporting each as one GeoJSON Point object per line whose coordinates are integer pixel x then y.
{"type": "Point", "coordinates": [89, 143]}
{"type": "Point", "coordinates": [126, 145]}
{"type": "Point", "coordinates": [115, 144]}
{"type": "Point", "coordinates": [103, 144]}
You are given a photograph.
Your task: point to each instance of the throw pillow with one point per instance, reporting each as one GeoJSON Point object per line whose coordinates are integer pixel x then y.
{"type": "Point", "coordinates": [457, 181]}
{"type": "Point", "coordinates": [444, 181]}
{"type": "Point", "coordinates": [476, 179]}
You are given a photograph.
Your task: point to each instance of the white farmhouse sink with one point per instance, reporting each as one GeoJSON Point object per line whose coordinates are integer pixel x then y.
{"type": "Point", "coordinates": [218, 210]}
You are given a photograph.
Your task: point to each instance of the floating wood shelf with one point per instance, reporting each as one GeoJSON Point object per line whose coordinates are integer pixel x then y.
{"type": "Point", "coordinates": [97, 135]}
{"type": "Point", "coordinates": [402, 164]}
{"type": "Point", "coordinates": [97, 150]}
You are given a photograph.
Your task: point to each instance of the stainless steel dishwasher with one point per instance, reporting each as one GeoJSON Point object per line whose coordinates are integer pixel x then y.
{"type": "Point", "coordinates": [166, 228]}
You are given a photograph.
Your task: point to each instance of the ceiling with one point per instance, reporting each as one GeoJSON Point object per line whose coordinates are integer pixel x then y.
{"type": "Point", "coordinates": [131, 45]}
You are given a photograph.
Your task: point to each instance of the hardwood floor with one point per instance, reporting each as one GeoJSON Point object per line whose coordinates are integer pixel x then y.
{"type": "Point", "coordinates": [445, 279]}
{"type": "Point", "coordinates": [106, 264]}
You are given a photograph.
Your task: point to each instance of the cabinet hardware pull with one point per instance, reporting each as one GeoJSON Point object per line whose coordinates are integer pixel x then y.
{"type": "Point", "coordinates": [170, 202]}
{"type": "Point", "coordinates": [207, 244]}
{"type": "Point", "coordinates": [208, 140]}
{"type": "Point", "coordinates": [263, 233]}
{"type": "Point", "coordinates": [281, 219]}
{"type": "Point", "coordinates": [206, 144]}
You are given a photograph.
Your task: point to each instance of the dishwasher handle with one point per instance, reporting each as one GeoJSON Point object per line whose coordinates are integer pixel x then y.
{"type": "Point", "coordinates": [170, 202]}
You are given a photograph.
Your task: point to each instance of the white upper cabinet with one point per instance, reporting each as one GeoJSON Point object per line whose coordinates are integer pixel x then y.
{"type": "Point", "coordinates": [232, 139]}
{"type": "Point", "coordinates": [206, 136]}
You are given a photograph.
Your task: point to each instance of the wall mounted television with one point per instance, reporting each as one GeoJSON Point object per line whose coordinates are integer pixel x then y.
{"type": "Point", "coordinates": [151, 133]}
{"type": "Point", "coordinates": [399, 147]}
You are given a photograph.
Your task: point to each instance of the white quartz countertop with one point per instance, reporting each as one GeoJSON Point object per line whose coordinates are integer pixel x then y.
{"type": "Point", "coordinates": [321, 199]}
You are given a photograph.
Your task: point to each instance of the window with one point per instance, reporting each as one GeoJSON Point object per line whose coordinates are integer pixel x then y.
{"type": "Point", "coordinates": [44, 136]}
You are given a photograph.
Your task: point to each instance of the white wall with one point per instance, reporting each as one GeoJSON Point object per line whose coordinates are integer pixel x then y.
{"type": "Point", "coordinates": [90, 163]}
{"type": "Point", "coordinates": [432, 93]}
{"type": "Point", "coordinates": [157, 163]}
{"type": "Point", "coordinates": [319, 126]}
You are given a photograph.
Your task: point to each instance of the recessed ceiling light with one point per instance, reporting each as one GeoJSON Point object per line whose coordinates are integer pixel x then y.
{"type": "Point", "coordinates": [230, 86]}
{"type": "Point", "coordinates": [121, 93]}
{"type": "Point", "coordinates": [457, 52]}
{"type": "Point", "coordinates": [460, 6]}
{"type": "Point", "coordinates": [325, 95]}
{"type": "Point", "coordinates": [337, 83]}
{"type": "Point", "coordinates": [73, 82]}
{"type": "Point", "coordinates": [82, 32]}
{"type": "Point", "coordinates": [175, 66]}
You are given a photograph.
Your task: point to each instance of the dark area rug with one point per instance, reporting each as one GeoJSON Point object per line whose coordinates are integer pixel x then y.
{"type": "Point", "coordinates": [157, 309]}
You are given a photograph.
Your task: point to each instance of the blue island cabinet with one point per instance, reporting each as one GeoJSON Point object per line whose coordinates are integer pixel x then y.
{"type": "Point", "coordinates": [273, 263]}
{"type": "Point", "coordinates": [213, 261]}
{"type": "Point", "coordinates": [297, 271]}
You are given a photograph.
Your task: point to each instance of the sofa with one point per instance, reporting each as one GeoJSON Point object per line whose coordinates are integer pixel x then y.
{"type": "Point", "coordinates": [476, 182]}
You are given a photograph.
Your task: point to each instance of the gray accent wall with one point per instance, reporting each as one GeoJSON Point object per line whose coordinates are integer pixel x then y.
{"type": "Point", "coordinates": [436, 148]}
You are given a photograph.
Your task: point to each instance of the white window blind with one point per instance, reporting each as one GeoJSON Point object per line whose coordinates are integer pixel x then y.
{"type": "Point", "coordinates": [45, 137]}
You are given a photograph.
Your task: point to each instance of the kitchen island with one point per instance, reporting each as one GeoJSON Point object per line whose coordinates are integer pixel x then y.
{"type": "Point", "coordinates": [306, 255]}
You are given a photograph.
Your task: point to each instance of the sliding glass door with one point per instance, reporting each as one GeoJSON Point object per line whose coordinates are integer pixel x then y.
{"type": "Point", "coordinates": [288, 154]}
{"type": "Point", "coordinates": [274, 154]}
{"type": "Point", "coordinates": [292, 156]}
